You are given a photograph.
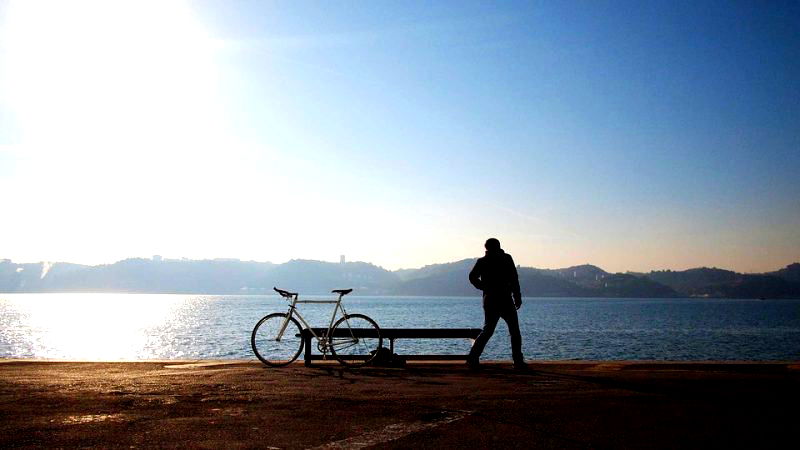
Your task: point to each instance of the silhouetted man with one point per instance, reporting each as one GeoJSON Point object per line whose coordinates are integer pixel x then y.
{"type": "Point", "coordinates": [496, 275]}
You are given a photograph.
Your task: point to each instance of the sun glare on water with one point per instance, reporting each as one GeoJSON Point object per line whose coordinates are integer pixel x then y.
{"type": "Point", "coordinates": [94, 327]}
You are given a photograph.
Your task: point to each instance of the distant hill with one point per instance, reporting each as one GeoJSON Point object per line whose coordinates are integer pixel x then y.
{"type": "Point", "coordinates": [452, 280]}
{"type": "Point", "coordinates": [538, 283]}
{"type": "Point", "coordinates": [230, 276]}
{"type": "Point", "coordinates": [579, 281]}
{"type": "Point", "coordinates": [761, 286]}
{"type": "Point", "coordinates": [585, 275]}
{"type": "Point", "coordinates": [318, 277]}
{"type": "Point", "coordinates": [134, 275]}
{"type": "Point", "coordinates": [440, 279]}
{"type": "Point", "coordinates": [788, 273]}
{"type": "Point", "coordinates": [627, 285]}
{"type": "Point", "coordinates": [720, 283]}
{"type": "Point", "coordinates": [700, 282]}
{"type": "Point", "coordinates": [464, 266]}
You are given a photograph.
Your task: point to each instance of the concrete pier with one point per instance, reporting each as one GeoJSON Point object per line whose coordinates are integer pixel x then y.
{"type": "Point", "coordinates": [242, 404]}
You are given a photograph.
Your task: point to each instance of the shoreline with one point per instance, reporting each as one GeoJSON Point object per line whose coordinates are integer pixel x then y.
{"type": "Point", "coordinates": [211, 403]}
{"type": "Point", "coordinates": [475, 296]}
{"type": "Point", "coordinates": [577, 363]}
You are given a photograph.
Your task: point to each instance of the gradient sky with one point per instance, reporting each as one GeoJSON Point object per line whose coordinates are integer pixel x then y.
{"type": "Point", "coordinates": [630, 135]}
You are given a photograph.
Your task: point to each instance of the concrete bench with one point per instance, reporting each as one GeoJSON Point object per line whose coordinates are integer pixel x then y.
{"type": "Point", "coordinates": [391, 334]}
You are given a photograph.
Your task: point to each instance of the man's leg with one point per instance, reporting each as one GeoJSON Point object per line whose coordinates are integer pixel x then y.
{"type": "Point", "coordinates": [509, 314]}
{"type": "Point", "coordinates": [490, 318]}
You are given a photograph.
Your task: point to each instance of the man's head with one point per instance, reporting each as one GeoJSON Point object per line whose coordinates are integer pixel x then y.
{"type": "Point", "coordinates": [492, 245]}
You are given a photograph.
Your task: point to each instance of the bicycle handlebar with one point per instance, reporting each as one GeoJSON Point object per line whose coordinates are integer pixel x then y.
{"type": "Point", "coordinates": [283, 293]}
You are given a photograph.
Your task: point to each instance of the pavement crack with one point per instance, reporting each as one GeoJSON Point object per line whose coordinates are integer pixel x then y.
{"type": "Point", "coordinates": [395, 431]}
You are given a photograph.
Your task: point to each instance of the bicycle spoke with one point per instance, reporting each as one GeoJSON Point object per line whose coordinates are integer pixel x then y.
{"type": "Point", "coordinates": [271, 350]}
{"type": "Point", "coordinates": [363, 343]}
{"type": "Point", "coordinates": [342, 345]}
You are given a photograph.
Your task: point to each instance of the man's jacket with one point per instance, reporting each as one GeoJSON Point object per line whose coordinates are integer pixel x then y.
{"type": "Point", "coordinates": [496, 275]}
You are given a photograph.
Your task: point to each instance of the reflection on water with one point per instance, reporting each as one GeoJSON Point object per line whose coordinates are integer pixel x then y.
{"type": "Point", "coordinates": [89, 326]}
{"type": "Point", "coordinates": [136, 326]}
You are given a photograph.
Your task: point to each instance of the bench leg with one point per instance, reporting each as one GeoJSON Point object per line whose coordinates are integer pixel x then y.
{"type": "Point", "coordinates": [307, 340]}
{"type": "Point", "coordinates": [391, 345]}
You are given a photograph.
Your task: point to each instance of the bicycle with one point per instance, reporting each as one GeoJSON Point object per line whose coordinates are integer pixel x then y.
{"type": "Point", "coordinates": [353, 340]}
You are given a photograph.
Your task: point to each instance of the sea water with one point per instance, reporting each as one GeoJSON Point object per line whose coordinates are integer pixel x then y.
{"type": "Point", "coordinates": [140, 326]}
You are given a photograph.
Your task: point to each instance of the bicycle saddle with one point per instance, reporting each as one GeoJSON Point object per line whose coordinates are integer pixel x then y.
{"type": "Point", "coordinates": [342, 291]}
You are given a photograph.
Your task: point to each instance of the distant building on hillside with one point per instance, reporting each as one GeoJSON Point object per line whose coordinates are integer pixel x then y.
{"type": "Point", "coordinates": [341, 259]}
{"type": "Point", "coordinates": [157, 258]}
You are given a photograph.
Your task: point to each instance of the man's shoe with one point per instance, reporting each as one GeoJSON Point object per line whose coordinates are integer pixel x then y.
{"type": "Point", "coordinates": [520, 365]}
{"type": "Point", "coordinates": [473, 363]}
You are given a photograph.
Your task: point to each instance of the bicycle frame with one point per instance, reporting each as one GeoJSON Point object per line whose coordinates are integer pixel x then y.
{"type": "Point", "coordinates": [353, 339]}
{"type": "Point", "coordinates": [294, 312]}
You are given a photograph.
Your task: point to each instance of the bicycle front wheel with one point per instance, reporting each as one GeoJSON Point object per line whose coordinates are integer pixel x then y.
{"type": "Point", "coordinates": [271, 350]}
{"type": "Point", "coordinates": [355, 340]}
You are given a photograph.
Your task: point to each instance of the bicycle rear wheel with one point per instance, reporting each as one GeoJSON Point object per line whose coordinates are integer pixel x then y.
{"type": "Point", "coordinates": [355, 340]}
{"type": "Point", "coordinates": [268, 348]}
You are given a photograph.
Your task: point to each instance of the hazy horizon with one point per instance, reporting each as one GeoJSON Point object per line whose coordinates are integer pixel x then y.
{"type": "Point", "coordinates": [629, 135]}
{"type": "Point", "coordinates": [394, 269]}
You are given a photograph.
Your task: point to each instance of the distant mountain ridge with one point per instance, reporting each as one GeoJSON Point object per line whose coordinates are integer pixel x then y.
{"type": "Point", "coordinates": [231, 276]}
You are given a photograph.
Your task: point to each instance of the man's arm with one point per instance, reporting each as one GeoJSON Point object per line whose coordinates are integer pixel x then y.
{"type": "Point", "coordinates": [475, 276]}
{"type": "Point", "coordinates": [515, 291]}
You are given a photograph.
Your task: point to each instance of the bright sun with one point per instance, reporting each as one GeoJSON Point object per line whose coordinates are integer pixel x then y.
{"type": "Point", "coordinates": [100, 75]}
{"type": "Point", "coordinates": [116, 107]}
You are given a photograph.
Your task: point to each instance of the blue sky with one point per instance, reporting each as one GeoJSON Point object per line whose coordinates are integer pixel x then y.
{"type": "Point", "coordinates": [631, 135]}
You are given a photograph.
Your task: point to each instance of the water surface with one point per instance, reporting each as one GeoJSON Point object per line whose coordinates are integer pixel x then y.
{"type": "Point", "coordinates": [139, 326]}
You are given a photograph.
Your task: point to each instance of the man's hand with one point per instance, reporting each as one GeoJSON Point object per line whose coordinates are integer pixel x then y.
{"type": "Point", "coordinates": [517, 302]}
